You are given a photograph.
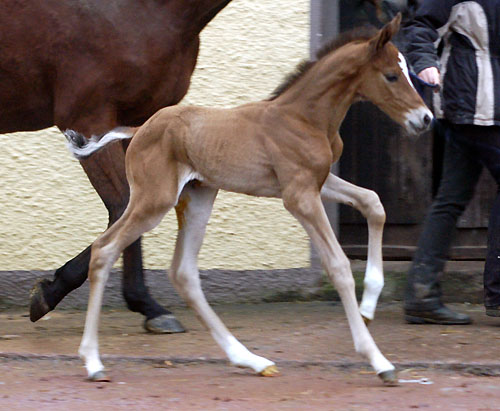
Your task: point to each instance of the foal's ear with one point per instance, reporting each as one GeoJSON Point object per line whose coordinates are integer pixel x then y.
{"type": "Point", "coordinates": [385, 34]}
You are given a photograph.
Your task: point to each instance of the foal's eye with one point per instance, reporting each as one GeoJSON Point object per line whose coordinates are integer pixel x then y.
{"type": "Point", "coordinates": [391, 78]}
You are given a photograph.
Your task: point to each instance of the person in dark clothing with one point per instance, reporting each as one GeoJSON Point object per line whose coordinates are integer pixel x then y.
{"type": "Point", "coordinates": [468, 108]}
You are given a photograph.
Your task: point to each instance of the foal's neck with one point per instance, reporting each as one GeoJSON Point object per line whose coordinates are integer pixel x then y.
{"type": "Point", "coordinates": [325, 93]}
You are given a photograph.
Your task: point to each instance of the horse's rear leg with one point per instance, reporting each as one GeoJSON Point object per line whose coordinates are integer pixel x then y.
{"type": "Point", "coordinates": [106, 172]}
{"type": "Point", "coordinates": [308, 209]}
{"type": "Point", "coordinates": [368, 204]}
{"type": "Point", "coordinates": [193, 212]}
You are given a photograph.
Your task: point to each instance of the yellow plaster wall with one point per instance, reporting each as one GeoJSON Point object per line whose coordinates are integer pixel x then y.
{"type": "Point", "coordinates": [50, 212]}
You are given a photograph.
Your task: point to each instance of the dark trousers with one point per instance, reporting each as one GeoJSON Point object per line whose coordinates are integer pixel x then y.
{"type": "Point", "coordinates": [467, 149]}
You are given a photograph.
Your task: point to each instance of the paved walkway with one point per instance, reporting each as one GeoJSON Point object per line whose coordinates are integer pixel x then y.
{"type": "Point", "coordinates": [288, 333]}
{"type": "Point", "coordinates": [310, 342]}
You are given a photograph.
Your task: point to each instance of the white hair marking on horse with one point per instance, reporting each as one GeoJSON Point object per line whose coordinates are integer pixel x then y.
{"type": "Point", "coordinates": [82, 148]}
{"type": "Point", "coordinates": [404, 67]}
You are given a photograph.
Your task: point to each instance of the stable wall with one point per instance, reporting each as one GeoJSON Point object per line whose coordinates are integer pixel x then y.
{"type": "Point", "coordinates": [50, 212]}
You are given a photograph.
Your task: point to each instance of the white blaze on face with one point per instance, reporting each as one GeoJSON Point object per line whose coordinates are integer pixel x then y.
{"type": "Point", "coordinates": [404, 68]}
{"type": "Point", "coordinates": [414, 118]}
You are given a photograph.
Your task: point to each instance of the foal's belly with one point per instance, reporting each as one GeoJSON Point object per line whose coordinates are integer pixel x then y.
{"type": "Point", "coordinates": [238, 180]}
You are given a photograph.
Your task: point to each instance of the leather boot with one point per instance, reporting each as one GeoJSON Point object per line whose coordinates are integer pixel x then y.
{"type": "Point", "coordinates": [493, 311]}
{"type": "Point", "coordinates": [423, 297]}
{"type": "Point", "coordinates": [442, 315]}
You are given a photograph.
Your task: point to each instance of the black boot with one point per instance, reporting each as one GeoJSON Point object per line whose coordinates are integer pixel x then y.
{"type": "Point", "coordinates": [423, 298]}
{"type": "Point", "coordinates": [493, 311]}
{"type": "Point", "coordinates": [442, 315]}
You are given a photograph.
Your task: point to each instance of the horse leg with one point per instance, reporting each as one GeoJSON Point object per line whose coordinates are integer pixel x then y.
{"type": "Point", "coordinates": [143, 214]}
{"type": "Point", "coordinates": [46, 294]}
{"type": "Point", "coordinates": [367, 202]}
{"type": "Point", "coordinates": [106, 172]}
{"type": "Point", "coordinates": [306, 206]}
{"type": "Point", "coordinates": [193, 211]}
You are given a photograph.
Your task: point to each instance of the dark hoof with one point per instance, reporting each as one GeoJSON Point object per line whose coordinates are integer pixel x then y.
{"type": "Point", "coordinates": [164, 324]}
{"type": "Point", "coordinates": [389, 378]}
{"type": "Point", "coordinates": [38, 305]}
{"type": "Point", "coordinates": [99, 376]}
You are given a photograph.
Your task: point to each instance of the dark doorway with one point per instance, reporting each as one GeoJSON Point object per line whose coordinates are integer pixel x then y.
{"type": "Point", "coordinates": [404, 171]}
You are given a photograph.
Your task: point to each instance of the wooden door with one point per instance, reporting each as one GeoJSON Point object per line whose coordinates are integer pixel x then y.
{"type": "Point", "coordinates": [404, 171]}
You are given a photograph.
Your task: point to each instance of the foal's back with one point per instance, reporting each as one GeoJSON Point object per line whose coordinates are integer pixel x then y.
{"type": "Point", "coordinates": [243, 149]}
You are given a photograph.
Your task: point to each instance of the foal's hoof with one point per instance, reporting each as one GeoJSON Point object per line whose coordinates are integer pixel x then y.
{"type": "Point", "coordinates": [389, 378]}
{"type": "Point", "coordinates": [164, 324]}
{"type": "Point", "coordinates": [270, 371]}
{"type": "Point", "coordinates": [99, 376]}
{"type": "Point", "coordinates": [366, 320]}
{"type": "Point", "coordinates": [38, 305]}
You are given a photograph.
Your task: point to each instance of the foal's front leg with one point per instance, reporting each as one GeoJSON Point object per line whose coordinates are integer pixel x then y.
{"type": "Point", "coordinates": [193, 212]}
{"type": "Point", "coordinates": [306, 206]}
{"type": "Point", "coordinates": [368, 204]}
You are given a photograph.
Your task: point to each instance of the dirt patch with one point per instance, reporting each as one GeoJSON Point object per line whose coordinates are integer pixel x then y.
{"type": "Point", "coordinates": [27, 385]}
{"type": "Point", "coordinates": [310, 342]}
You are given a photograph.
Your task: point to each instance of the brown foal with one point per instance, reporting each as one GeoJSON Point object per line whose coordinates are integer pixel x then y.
{"type": "Point", "coordinates": [282, 147]}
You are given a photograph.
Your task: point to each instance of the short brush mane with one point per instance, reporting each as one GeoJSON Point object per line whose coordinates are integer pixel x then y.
{"type": "Point", "coordinates": [359, 34]}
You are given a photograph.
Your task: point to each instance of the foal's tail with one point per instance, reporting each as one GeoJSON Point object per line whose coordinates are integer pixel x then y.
{"type": "Point", "coordinates": [81, 147]}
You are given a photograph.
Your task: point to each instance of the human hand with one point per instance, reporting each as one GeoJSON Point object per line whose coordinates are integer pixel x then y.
{"type": "Point", "coordinates": [430, 75]}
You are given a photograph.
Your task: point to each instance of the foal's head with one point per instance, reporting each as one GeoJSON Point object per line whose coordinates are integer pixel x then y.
{"type": "Point", "coordinates": [385, 82]}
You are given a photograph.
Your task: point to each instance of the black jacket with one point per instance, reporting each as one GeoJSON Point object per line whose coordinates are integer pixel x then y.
{"type": "Point", "coordinates": [467, 36]}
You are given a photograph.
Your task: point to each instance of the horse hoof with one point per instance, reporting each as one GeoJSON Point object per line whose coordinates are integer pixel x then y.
{"type": "Point", "coordinates": [270, 371]}
{"type": "Point", "coordinates": [38, 305]}
{"type": "Point", "coordinates": [366, 320]}
{"type": "Point", "coordinates": [99, 376]}
{"type": "Point", "coordinates": [164, 324]}
{"type": "Point", "coordinates": [389, 378]}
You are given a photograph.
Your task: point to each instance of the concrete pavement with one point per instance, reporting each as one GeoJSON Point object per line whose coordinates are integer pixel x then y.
{"type": "Point", "coordinates": [291, 334]}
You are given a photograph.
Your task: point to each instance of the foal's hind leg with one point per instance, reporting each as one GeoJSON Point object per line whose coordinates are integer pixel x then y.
{"type": "Point", "coordinates": [193, 212]}
{"type": "Point", "coordinates": [367, 203]}
{"type": "Point", "coordinates": [308, 209]}
{"type": "Point", "coordinates": [106, 172]}
{"type": "Point", "coordinates": [144, 212]}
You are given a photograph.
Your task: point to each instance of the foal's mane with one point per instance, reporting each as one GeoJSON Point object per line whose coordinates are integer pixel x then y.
{"type": "Point", "coordinates": [358, 34]}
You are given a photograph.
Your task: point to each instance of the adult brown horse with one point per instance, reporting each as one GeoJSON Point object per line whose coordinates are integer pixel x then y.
{"type": "Point", "coordinates": [92, 65]}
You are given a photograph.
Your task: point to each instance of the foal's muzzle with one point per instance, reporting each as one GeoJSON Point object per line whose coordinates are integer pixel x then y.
{"type": "Point", "coordinates": [418, 120]}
